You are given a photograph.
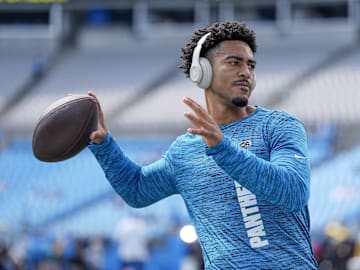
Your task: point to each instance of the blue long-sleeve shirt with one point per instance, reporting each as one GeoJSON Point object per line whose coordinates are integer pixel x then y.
{"type": "Point", "coordinates": [247, 196]}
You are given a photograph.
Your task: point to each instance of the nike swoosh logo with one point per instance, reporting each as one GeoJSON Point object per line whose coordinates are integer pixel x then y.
{"type": "Point", "coordinates": [297, 156]}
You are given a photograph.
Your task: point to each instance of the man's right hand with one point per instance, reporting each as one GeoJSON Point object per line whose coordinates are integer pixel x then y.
{"type": "Point", "coordinates": [99, 135]}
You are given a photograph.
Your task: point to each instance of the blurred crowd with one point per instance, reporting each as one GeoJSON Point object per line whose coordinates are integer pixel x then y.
{"type": "Point", "coordinates": [336, 248]}
{"type": "Point", "coordinates": [130, 248]}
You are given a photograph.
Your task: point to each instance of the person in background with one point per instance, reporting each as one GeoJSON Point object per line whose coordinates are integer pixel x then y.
{"type": "Point", "coordinates": [131, 236]}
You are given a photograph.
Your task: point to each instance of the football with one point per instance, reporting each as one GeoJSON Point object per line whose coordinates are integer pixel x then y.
{"type": "Point", "coordinates": [64, 127]}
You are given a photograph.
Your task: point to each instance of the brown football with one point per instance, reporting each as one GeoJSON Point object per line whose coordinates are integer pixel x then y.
{"type": "Point", "coordinates": [64, 127]}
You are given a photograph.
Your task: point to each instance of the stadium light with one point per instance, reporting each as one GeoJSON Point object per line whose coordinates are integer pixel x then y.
{"type": "Point", "coordinates": [188, 234]}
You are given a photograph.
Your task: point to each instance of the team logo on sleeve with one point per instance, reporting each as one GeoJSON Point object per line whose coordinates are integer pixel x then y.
{"type": "Point", "coordinates": [245, 144]}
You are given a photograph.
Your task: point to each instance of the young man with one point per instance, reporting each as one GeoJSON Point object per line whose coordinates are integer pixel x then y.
{"type": "Point", "coordinates": [242, 170]}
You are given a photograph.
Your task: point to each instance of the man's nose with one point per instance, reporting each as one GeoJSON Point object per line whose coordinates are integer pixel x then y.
{"type": "Point", "coordinates": [244, 71]}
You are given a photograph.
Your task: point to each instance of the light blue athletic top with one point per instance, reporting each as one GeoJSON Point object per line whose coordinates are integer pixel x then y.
{"type": "Point", "coordinates": [247, 196]}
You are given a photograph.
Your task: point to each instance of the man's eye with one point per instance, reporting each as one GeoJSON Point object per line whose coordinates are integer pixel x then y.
{"type": "Point", "coordinates": [251, 66]}
{"type": "Point", "coordinates": [234, 63]}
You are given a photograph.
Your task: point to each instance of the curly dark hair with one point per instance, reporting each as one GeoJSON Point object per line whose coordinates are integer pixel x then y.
{"type": "Point", "coordinates": [220, 31]}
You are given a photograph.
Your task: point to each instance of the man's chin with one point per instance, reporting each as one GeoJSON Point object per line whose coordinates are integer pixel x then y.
{"type": "Point", "coordinates": [240, 101]}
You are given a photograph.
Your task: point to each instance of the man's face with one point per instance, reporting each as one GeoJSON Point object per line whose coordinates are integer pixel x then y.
{"type": "Point", "coordinates": [233, 67]}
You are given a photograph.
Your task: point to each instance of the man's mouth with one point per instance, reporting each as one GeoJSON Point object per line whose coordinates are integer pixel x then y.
{"type": "Point", "coordinates": [242, 84]}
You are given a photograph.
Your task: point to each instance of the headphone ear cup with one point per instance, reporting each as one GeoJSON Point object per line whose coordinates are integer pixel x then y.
{"type": "Point", "coordinates": [206, 79]}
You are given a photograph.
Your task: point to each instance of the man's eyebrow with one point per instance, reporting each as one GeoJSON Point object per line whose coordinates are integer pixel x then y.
{"type": "Point", "coordinates": [252, 61]}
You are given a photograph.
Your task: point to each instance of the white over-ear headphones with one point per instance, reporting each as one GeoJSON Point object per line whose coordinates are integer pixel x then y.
{"type": "Point", "coordinates": [200, 70]}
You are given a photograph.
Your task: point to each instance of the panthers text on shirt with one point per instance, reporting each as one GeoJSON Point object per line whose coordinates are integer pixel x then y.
{"type": "Point", "coordinates": [252, 217]}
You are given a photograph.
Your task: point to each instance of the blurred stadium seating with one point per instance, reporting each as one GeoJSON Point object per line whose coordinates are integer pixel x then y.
{"type": "Point", "coordinates": [335, 182]}
{"type": "Point", "coordinates": [307, 65]}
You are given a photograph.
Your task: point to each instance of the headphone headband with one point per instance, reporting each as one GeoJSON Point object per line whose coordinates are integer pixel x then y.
{"type": "Point", "coordinates": [196, 71]}
{"type": "Point", "coordinates": [197, 50]}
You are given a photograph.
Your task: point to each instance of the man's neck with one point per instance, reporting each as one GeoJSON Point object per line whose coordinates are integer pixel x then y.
{"type": "Point", "coordinates": [227, 115]}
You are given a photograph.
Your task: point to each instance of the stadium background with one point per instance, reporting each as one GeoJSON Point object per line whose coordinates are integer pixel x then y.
{"type": "Point", "coordinates": [66, 216]}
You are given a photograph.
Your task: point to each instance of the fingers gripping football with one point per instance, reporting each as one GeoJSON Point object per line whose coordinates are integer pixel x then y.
{"type": "Point", "coordinates": [99, 135]}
